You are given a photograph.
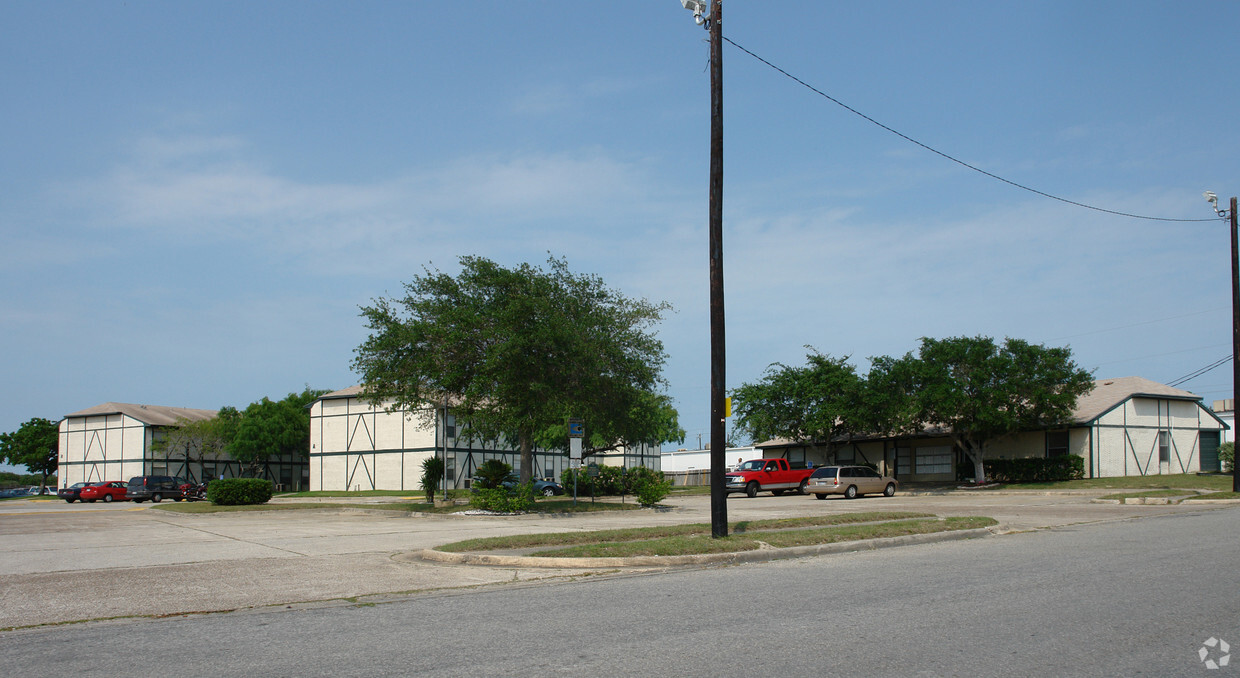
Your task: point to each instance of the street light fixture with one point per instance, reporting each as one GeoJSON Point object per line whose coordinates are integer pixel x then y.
{"type": "Point", "coordinates": [701, 10]}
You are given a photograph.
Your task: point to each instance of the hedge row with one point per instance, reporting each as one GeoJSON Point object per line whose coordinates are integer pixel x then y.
{"type": "Point", "coordinates": [612, 480]}
{"type": "Point", "coordinates": [1032, 470]}
{"type": "Point", "coordinates": [239, 491]}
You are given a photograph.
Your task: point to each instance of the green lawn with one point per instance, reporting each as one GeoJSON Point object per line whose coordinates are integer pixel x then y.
{"type": "Point", "coordinates": [557, 505]}
{"type": "Point", "coordinates": [1217, 495]}
{"type": "Point", "coordinates": [702, 543]}
{"type": "Point", "coordinates": [871, 523]}
{"type": "Point", "coordinates": [1183, 481]}
{"type": "Point", "coordinates": [412, 494]}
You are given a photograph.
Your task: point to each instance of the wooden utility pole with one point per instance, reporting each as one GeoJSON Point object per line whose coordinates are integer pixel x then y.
{"type": "Point", "coordinates": [718, 384]}
{"type": "Point", "coordinates": [1235, 335]}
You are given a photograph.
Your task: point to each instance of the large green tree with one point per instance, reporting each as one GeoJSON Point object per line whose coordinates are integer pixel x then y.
{"type": "Point", "coordinates": [197, 441]}
{"type": "Point", "coordinates": [517, 351]}
{"type": "Point", "coordinates": [268, 429]}
{"type": "Point", "coordinates": [816, 404]}
{"type": "Point", "coordinates": [980, 391]}
{"type": "Point", "coordinates": [35, 445]}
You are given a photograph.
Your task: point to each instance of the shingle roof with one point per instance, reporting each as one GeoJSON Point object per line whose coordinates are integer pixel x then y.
{"type": "Point", "coordinates": [351, 392]}
{"type": "Point", "coordinates": [156, 415]}
{"type": "Point", "coordinates": [1107, 393]}
{"type": "Point", "coordinates": [356, 392]}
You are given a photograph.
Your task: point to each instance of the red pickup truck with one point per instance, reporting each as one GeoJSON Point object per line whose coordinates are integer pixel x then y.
{"type": "Point", "coordinates": [774, 475]}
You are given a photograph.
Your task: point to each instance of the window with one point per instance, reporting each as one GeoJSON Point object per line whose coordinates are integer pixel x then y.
{"type": "Point", "coordinates": [904, 459]}
{"type": "Point", "coordinates": [934, 460]}
{"type": "Point", "coordinates": [1056, 443]}
{"type": "Point", "coordinates": [449, 425]}
{"type": "Point", "coordinates": [1164, 447]}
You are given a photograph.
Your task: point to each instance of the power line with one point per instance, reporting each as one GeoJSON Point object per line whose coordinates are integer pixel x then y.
{"type": "Point", "coordinates": [1193, 375]}
{"type": "Point", "coordinates": [944, 155]}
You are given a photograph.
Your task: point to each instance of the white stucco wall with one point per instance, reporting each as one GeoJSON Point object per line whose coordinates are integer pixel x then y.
{"type": "Point", "coordinates": [355, 445]}
{"type": "Point", "coordinates": [1126, 439]}
{"type": "Point", "coordinates": [101, 448]}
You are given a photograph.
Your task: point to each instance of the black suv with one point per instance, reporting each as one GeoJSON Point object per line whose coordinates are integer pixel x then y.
{"type": "Point", "coordinates": [155, 488]}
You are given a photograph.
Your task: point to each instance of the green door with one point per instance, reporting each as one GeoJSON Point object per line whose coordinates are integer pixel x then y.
{"type": "Point", "coordinates": [1209, 451]}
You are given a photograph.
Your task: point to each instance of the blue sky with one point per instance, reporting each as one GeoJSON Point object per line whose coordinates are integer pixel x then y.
{"type": "Point", "coordinates": [195, 197]}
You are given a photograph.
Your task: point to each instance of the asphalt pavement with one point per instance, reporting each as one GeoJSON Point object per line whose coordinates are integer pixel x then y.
{"type": "Point", "coordinates": [70, 562]}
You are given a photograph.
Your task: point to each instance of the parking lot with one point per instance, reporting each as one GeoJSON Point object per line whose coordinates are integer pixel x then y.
{"type": "Point", "coordinates": [63, 562]}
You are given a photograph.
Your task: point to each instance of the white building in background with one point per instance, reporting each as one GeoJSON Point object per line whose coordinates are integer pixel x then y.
{"type": "Point", "coordinates": [357, 445]}
{"type": "Point", "coordinates": [699, 460]}
{"type": "Point", "coordinates": [1226, 410]}
{"type": "Point", "coordinates": [114, 441]}
{"type": "Point", "coordinates": [1129, 426]}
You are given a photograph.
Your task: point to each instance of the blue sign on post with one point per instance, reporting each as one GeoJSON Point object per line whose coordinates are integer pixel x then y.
{"type": "Point", "coordinates": [576, 428]}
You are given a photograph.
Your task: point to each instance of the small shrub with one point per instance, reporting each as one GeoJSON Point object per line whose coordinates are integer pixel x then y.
{"type": "Point", "coordinates": [611, 480]}
{"type": "Point", "coordinates": [640, 475]}
{"type": "Point", "coordinates": [239, 491]}
{"type": "Point", "coordinates": [650, 491]}
{"type": "Point", "coordinates": [583, 480]}
{"type": "Point", "coordinates": [432, 474]}
{"type": "Point", "coordinates": [1227, 456]}
{"type": "Point", "coordinates": [500, 500]}
{"type": "Point", "coordinates": [491, 474]}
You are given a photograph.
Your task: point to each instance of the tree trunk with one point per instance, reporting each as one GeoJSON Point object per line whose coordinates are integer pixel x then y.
{"type": "Point", "coordinates": [979, 469]}
{"type": "Point", "coordinates": [527, 458]}
{"type": "Point", "coordinates": [974, 452]}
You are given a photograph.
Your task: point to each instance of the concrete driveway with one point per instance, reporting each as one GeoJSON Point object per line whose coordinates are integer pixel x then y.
{"type": "Point", "coordinates": [67, 562]}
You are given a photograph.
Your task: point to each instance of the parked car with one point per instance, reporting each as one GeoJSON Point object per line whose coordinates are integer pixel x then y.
{"type": "Point", "coordinates": [774, 475]}
{"type": "Point", "coordinates": [113, 490]}
{"type": "Point", "coordinates": [547, 488]}
{"type": "Point", "coordinates": [850, 481]}
{"type": "Point", "coordinates": [73, 492]}
{"type": "Point", "coordinates": [155, 488]}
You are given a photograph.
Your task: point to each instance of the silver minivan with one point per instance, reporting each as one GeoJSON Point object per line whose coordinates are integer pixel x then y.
{"type": "Point", "coordinates": [850, 481]}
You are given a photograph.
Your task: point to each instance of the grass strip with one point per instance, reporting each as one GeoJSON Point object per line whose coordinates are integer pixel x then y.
{"type": "Point", "coordinates": [526, 541]}
{"type": "Point", "coordinates": [542, 506]}
{"type": "Point", "coordinates": [1216, 495]}
{"type": "Point", "coordinates": [208, 507]}
{"type": "Point", "coordinates": [704, 544]}
{"type": "Point", "coordinates": [1158, 482]}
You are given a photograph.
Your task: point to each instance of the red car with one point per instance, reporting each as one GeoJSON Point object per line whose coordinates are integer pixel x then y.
{"type": "Point", "coordinates": [113, 490]}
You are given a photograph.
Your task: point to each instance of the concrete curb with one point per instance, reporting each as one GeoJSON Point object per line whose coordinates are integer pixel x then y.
{"type": "Point", "coordinates": [1163, 501]}
{"type": "Point", "coordinates": [759, 555]}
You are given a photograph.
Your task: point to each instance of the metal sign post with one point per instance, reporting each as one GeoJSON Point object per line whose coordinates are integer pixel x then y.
{"type": "Point", "coordinates": [576, 432]}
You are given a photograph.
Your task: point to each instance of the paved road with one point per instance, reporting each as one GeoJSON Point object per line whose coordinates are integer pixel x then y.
{"type": "Point", "coordinates": [67, 562]}
{"type": "Point", "coordinates": [1136, 597]}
